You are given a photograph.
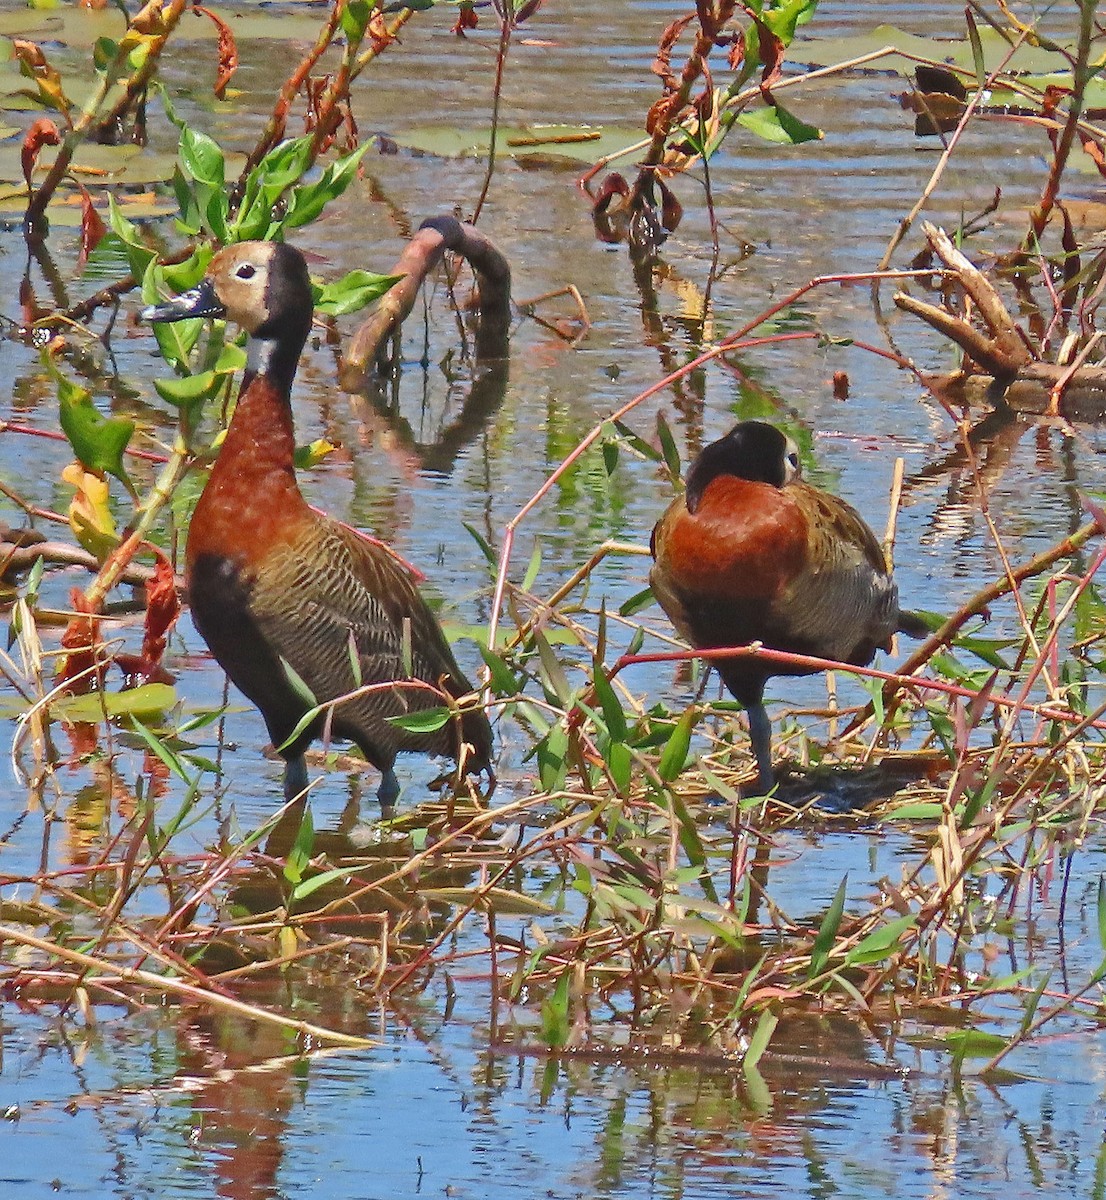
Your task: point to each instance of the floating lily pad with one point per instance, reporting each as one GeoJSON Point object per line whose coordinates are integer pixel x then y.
{"type": "Point", "coordinates": [574, 142]}
{"type": "Point", "coordinates": [826, 51]}
{"type": "Point", "coordinates": [146, 701]}
{"type": "Point", "coordinates": [98, 166]}
{"type": "Point", "coordinates": [64, 210]}
{"type": "Point", "coordinates": [81, 27]}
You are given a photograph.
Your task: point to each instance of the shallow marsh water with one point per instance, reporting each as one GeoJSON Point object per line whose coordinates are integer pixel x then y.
{"type": "Point", "coordinates": [176, 1104]}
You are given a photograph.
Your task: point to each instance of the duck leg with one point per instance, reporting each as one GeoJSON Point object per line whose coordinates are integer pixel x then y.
{"type": "Point", "coordinates": [295, 778]}
{"type": "Point", "coordinates": [388, 792]}
{"type": "Point", "coordinates": [760, 735]}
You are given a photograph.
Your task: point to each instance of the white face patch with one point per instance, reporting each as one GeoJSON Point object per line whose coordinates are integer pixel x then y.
{"type": "Point", "coordinates": [792, 466]}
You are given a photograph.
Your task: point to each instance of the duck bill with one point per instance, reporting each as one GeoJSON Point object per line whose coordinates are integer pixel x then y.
{"type": "Point", "coordinates": [201, 301]}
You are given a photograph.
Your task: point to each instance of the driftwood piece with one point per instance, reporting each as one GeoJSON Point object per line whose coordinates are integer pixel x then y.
{"type": "Point", "coordinates": [1031, 391]}
{"type": "Point", "coordinates": [21, 553]}
{"type": "Point", "coordinates": [1012, 374]}
{"type": "Point", "coordinates": [422, 254]}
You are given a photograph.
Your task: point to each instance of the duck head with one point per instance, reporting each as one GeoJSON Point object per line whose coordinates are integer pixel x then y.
{"type": "Point", "coordinates": [264, 287]}
{"type": "Point", "coordinates": [752, 450]}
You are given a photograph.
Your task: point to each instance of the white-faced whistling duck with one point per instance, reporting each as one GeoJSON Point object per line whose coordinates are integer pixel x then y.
{"type": "Point", "coordinates": [751, 553]}
{"type": "Point", "coordinates": [277, 588]}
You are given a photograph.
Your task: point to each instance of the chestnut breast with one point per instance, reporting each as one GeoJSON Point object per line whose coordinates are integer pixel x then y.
{"type": "Point", "coordinates": [745, 541]}
{"type": "Point", "coordinates": [251, 503]}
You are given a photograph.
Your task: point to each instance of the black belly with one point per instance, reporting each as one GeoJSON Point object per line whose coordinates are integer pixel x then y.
{"type": "Point", "coordinates": [219, 596]}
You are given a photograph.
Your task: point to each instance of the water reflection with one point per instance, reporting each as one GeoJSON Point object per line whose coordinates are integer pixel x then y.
{"type": "Point", "coordinates": [215, 1107]}
{"type": "Point", "coordinates": [163, 1102]}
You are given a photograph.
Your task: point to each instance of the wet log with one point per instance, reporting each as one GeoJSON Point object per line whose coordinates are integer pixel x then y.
{"type": "Point", "coordinates": [21, 549]}
{"type": "Point", "coordinates": [1083, 396]}
{"type": "Point", "coordinates": [1005, 370]}
{"type": "Point", "coordinates": [422, 254]}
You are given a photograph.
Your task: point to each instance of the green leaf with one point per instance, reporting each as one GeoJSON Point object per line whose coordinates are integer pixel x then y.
{"type": "Point", "coordinates": [1032, 1003]}
{"type": "Point", "coordinates": [97, 441]}
{"type": "Point", "coordinates": [922, 810]}
{"type": "Point", "coordinates": [104, 53]}
{"type": "Point", "coordinates": [161, 750]}
{"type": "Point", "coordinates": [827, 932]}
{"type": "Point", "coordinates": [532, 567]}
{"type": "Point", "coordinates": [675, 752]}
{"type": "Point", "coordinates": [355, 19]}
{"type": "Point", "coordinates": [762, 1035]}
{"type": "Point", "coordinates": [974, 1043]}
{"type": "Point", "coordinates": [312, 884]}
{"type": "Point", "coordinates": [553, 676]}
{"type": "Point", "coordinates": [300, 853]}
{"type": "Point", "coordinates": [613, 715]}
{"type": "Point", "coordinates": [782, 19]}
{"type": "Point", "coordinates": [482, 542]}
{"type": "Point", "coordinates": [881, 943]}
{"type": "Point", "coordinates": [552, 753]}
{"type": "Point", "coordinates": [202, 157]}
{"type": "Point", "coordinates": [774, 123]}
{"type": "Point", "coordinates": [309, 200]}
{"type": "Point", "coordinates": [636, 603]}
{"type": "Point", "coordinates": [692, 843]}
{"type": "Point", "coordinates": [352, 292]}
{"type": "Point", "coordinates": [149, 700]}
{"type": "Point", "coordinates": [503, 680]}
{"type": "Point", "coordinates": [554, 1014]}
{"type": "Point", "coordinates": [620, 760]}
{"type": "Point", "coordinates": [189, 389]}
{"type": "Point", "coordinates": [425, 720]}
{"type": "Point", "coordinates": [668, 447]}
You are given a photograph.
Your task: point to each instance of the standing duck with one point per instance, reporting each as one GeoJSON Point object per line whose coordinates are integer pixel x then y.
{"type": "Point", "coordinates": [291, 601]}
{"type": "Point", "coordinates": [751, 553]}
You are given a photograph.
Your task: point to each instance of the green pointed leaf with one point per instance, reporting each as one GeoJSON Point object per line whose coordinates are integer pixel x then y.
{"type": "Point", "coordinates": [827, 932]}
{"type": "Point", "coordinates": [668, 447]}
{"type": "Point", "coordinates": [758, 1043]}
{"type": "Point", "coordinates": [300, 853]}
{"type": "Point", "coordinates": [880, 944]}
{"type": "Point", "coordinates": [98, 441]}
{"type": "Point", "coordinates": [425, 720]}
{"type": "Point", "coordinates": [774, 123]}
{"type": "Point", "coordinates": [352, 292]}
{"type": "Point", "coordinates": [312, 884]}
{"type": "Point", "coordinates": [636, 603]}
{"type": "Point", "coordinates": [613, 715]}
{"type": "Point", "coordinates": [675, 752]}
{"type": "Point", "coordinates": [503, 680]}
{"type": "Point", "coordinates": [554, 1014]}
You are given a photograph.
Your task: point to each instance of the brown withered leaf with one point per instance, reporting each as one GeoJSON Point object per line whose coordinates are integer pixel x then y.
{"type": "Point", "coordinates": [736, 55]}
{"type": "Point", "coordinates": [1094, 152]}
{"type": "Point", "coordinates": [92, 227]}
{"type": "Point", "coordinates": [149, 19]}
{"type": "Point", "coordinates": [83, 666]}
{"type": "Point", "coordinates": [466, 19]}
{"type": "Point", "coordinates": [771, 55]}
{"type": "Point", "coordinates": [42, 132]}
{"type": "Point", "coordinates": [29, 54]}
{"type": "Point", "coordinates": [662, 64]}
{"type": "Point", "coordinates": [661, 115]}
{"type": "Point", "coordinates": [162, 611]}
{"type": "Point", "coordinates": [672, 211]}
{"type": "Point", "coordinates": [33, 64]}
{"type": "Point", "coordinates": [228, 50]}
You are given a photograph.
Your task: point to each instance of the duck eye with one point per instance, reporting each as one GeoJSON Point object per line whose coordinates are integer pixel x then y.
{"type": "Point", "coordinates": [245, 271]}
{"type": "Point", "coordinates": [793, 460]}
